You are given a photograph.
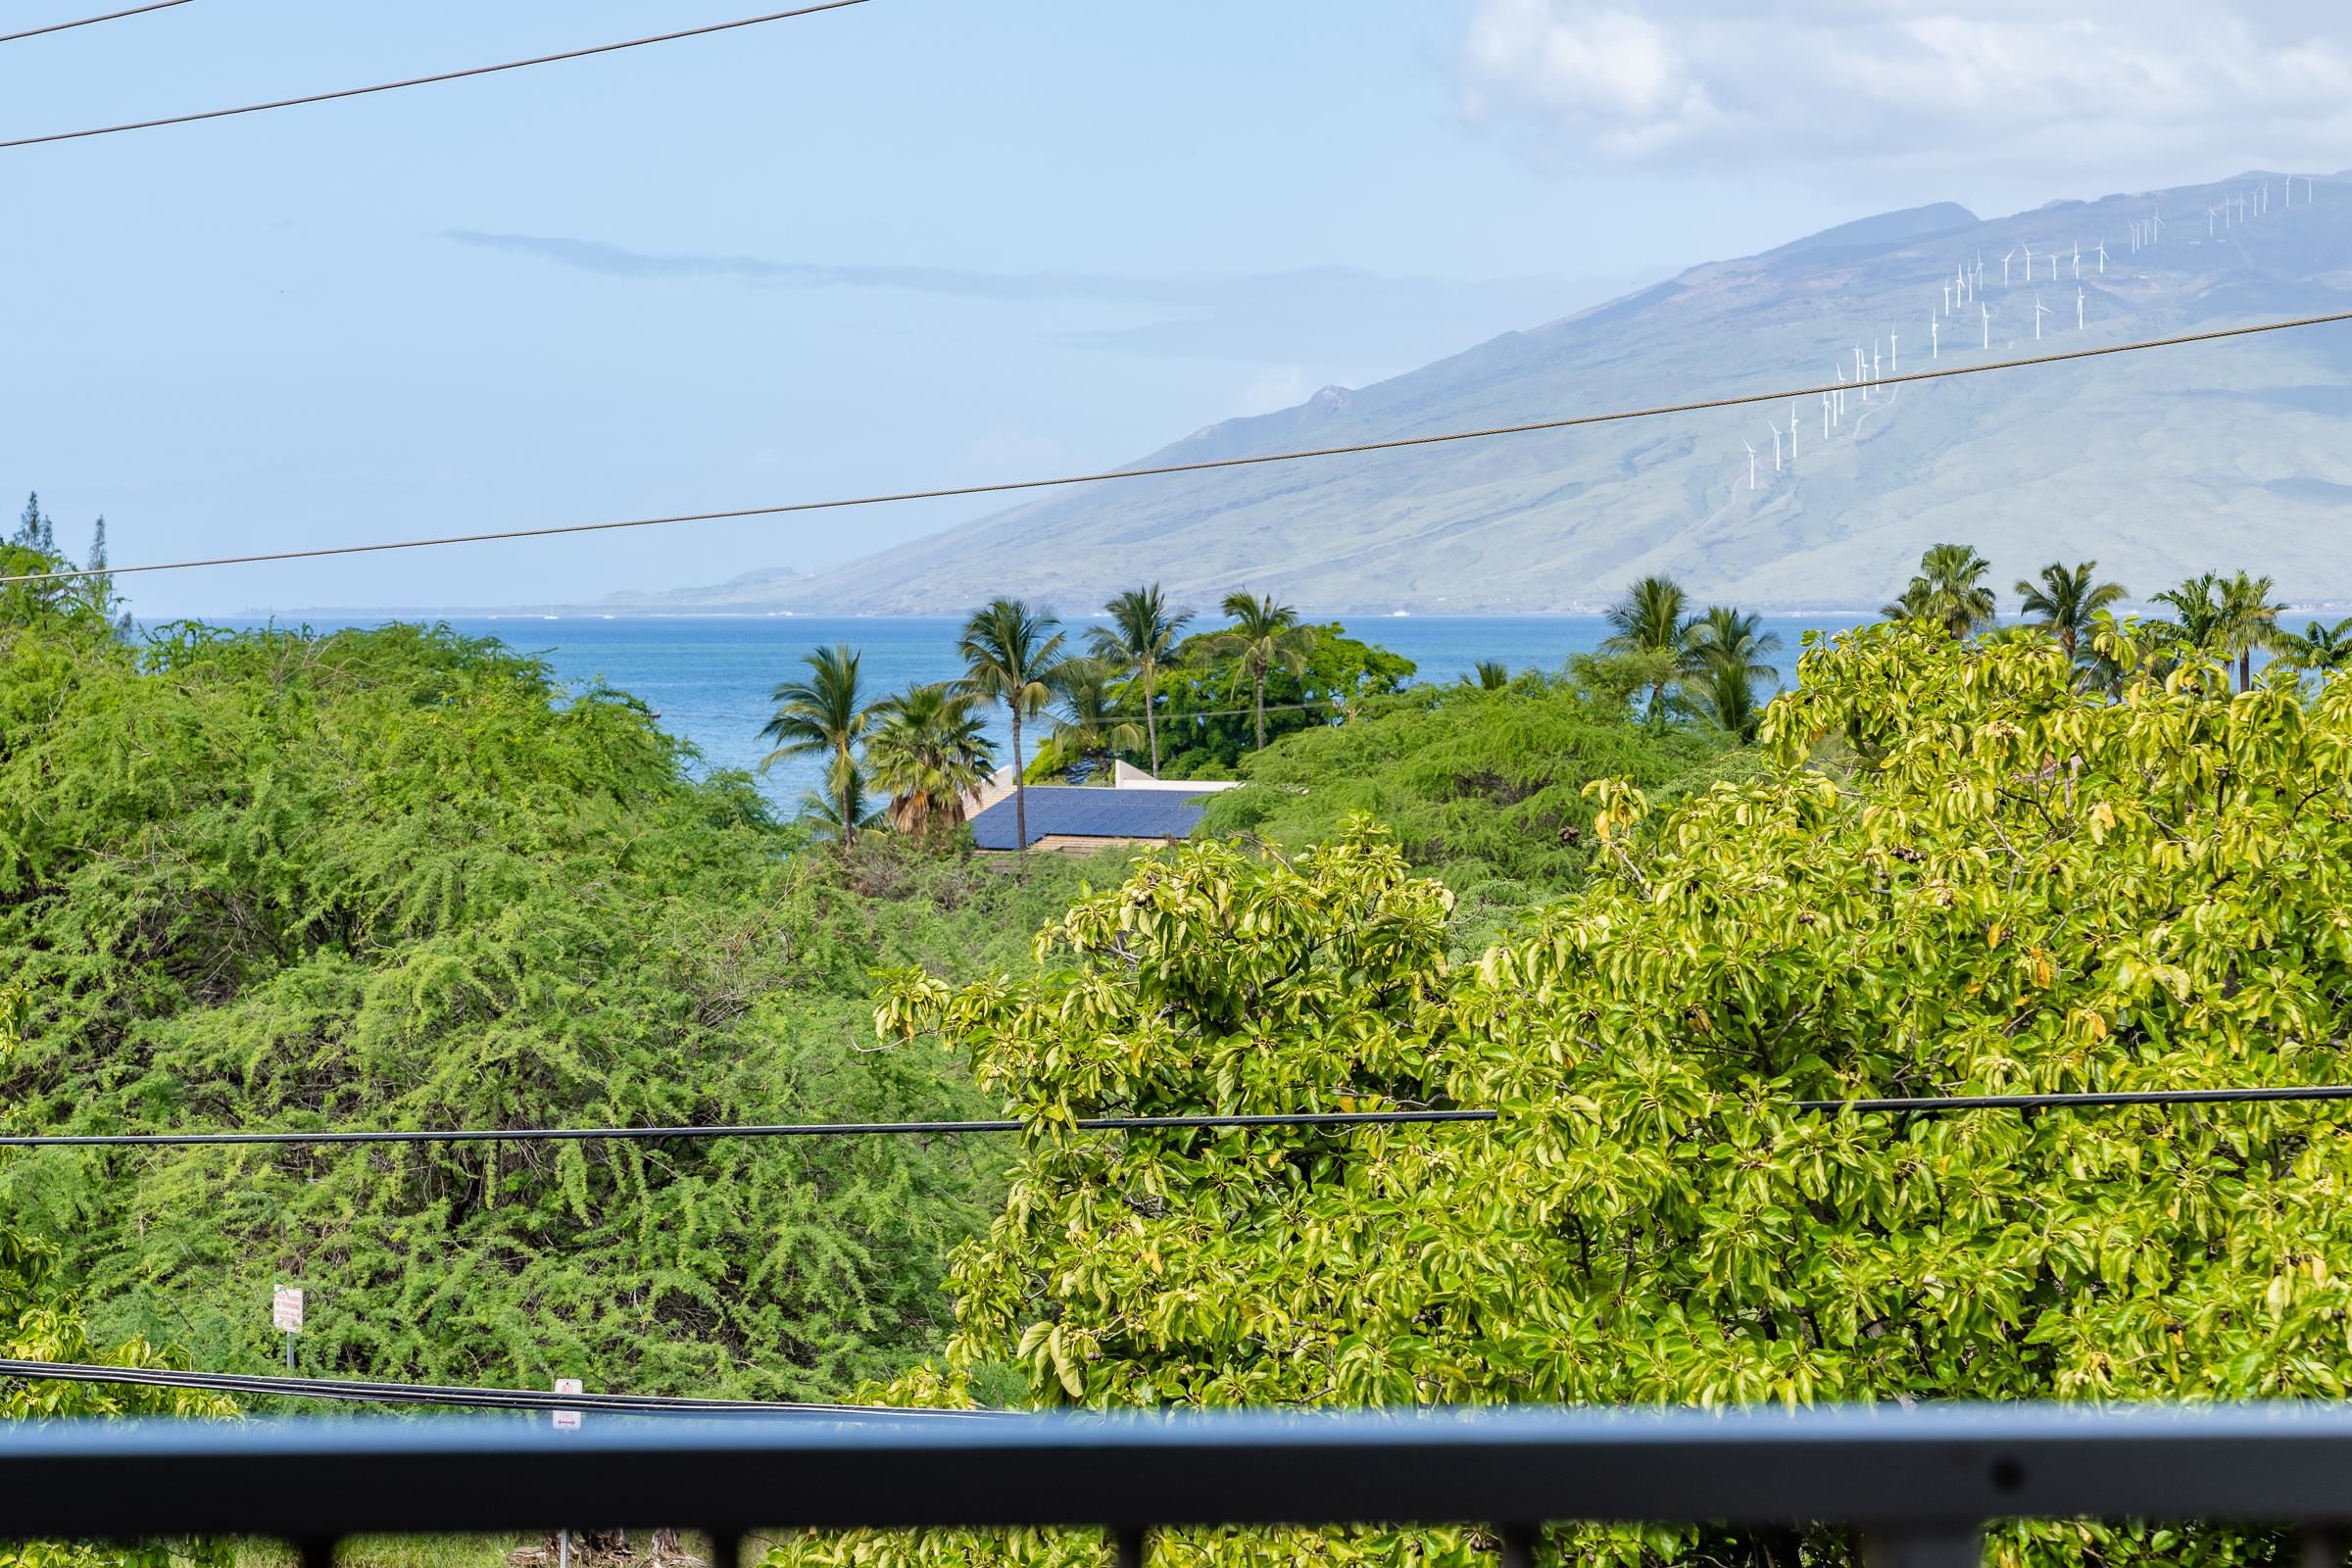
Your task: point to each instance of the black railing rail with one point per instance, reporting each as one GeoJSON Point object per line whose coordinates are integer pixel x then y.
{"type": "Point", "coordinates": [1920, 1485]}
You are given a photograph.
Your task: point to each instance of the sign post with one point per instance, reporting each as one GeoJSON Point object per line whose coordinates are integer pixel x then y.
{"type": "Point", "coordinates": [286, 1313]}
{"type": "Point", "coordinates": [565, 1421]}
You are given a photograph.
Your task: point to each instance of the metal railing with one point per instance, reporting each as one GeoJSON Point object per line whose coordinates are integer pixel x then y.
{"type": "Point", "coordinates": [1919, 1486]}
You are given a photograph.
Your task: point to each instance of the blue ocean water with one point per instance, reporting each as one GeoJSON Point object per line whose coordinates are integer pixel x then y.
{"type": "Point", "coordinates": [710, 678]}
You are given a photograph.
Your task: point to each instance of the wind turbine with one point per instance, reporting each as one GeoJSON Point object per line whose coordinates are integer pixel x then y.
{"type": "Point", "coordinates": [2102, 258]}
{"type": "Point", "coordinates": [1751, 461]}
{"type": "Point", "coordinates": [1824, 419]}
{"type": "Point", "coordinates": [2039, 314]}
{"type": "Point", "coordinates": [2005, 266]}
{"type": "Point", "coordinates": [2209, 223]}
{"type": "Point", "coordinates": [2078, 309]}
{"type": "Point", "coordinates": [1947, 299]}
{"type": "Point", "coordinates": [2156, 232]}
{"type": "Point", "coordinates": [1934, 353]}
{"type": "Point", "coordinates": [1792, 432]}
{"type": "Point", "coordinates": [1776, 444]}
{"type": "Point", "coordinates": [1988, 310]}
{"type": "Point", "coordinates": [2028, 263]}
{"type": "Point", "coordinates": [1895, 355]}
{"type": "Point", "coordinates": [2077, 261]}
{"type": "Point", "coordinates": [1860, 374]}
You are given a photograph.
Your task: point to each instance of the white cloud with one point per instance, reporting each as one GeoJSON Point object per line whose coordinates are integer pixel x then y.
{"type": "Point", "coordinates": [2054, 88]}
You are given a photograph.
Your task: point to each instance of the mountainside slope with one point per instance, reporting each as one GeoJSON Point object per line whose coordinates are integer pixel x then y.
{"type": "Point", "coordinates": [2158, 466]}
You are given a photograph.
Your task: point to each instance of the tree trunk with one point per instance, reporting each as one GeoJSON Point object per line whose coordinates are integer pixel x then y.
{"type": "Point", "coordinates": [1151, 716]}
{"type": "Point", "coordinates": [1259, 675]}
{"type": "Point", "coordinates": [1020, 790]}
{"type": "Point", "coordinates": [2245, 668]}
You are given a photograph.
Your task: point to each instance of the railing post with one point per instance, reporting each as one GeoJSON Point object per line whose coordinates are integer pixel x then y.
{"type": "Point", "coordinates": [726, 1547]}
{"type": "Point", "coordinates": [1129, 1543]}
{"type": "Point", "coordinates": [318, 1552]}
{"type": "Point", "coordinates": [1518, 1546]}
{"type": "Point", "coordinates": [2323, 1547]}
{"type": "Point", "coordinates": [1925, 1547]}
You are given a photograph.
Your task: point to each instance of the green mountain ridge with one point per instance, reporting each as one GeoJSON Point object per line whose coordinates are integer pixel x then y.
{"type": "Point", "coordinates": [2158, 466]}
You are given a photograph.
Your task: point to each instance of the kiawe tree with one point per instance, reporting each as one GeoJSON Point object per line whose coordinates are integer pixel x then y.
{"type": "Point", "coordinates": [1263, 636]}
{"type": "Point", "coordinates": [1142, 636]}
{"type": "Point", "coordinates": [1010, 654]}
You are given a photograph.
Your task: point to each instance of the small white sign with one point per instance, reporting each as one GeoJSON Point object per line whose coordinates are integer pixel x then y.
{"type": "Point", "coordinates": [568, 1420]}
{"type": "Point", "coordinates": [285, 1309]}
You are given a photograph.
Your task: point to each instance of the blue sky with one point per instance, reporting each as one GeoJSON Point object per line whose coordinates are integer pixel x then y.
{"type": "Point", "coordinates": [919, 243]}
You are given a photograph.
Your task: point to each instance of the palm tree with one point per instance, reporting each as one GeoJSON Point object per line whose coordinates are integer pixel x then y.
{"type": "Point", "coordinates": [1142, 636]}
{"type": "Point", "coordinates": [824, 716]}
{"type": "Point", "coordinates": [1263, 634]}
{"type": "Point", "coordinates": [1087, 727]}
{"type": "Point", "coordinates": [1916, 603]}
{"type": "Point", "coordinates": [1009, 655]}
{"type": "Point", "coordinates": [1650, 620]}
{"type": "Point", "coordinates": [2324, 649]}
{"type": "Point", "coordinates": [2249, 620]}
{"type": "Point", "coordinates": [2066, 600]}
{"type": "Point", "coordinates": [839, 811]}
{"type": "Point", "coordinates": [1725, 651]}
{"type": "Point", "coordinates": [1490, 675]}
{"type": "Point", "coordinates": [2199, 621]}
{"type": "Point", "coordinates": [930, 750]}
{"type": "Point", "coordinates": [1948, 591]}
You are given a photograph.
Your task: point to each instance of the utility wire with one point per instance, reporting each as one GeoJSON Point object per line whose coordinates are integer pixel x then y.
{"type": "Point", "coordinates": [816, 1129]}
{"type": "Point", "coordinates": [60, 27]}
{"type": "Point", "coordinates": [1204, 466]}
{"type": "Point", "coordinates": [445, 1396]}
{"type": "Point", "coordinates": [416, 82]}
{"type": "Point", "coordinates": [1944, 1104]}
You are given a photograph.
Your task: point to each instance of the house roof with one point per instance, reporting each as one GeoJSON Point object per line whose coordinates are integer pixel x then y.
{"type": "Point", "coordinates": [1075, 811]}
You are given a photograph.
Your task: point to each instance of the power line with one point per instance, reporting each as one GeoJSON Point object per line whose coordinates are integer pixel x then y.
{"type": "Point", "coordinates": [817, 1129]}
{"type": "Point", "coordinates": [1206, 464]}
{"type": "Point", "coordinates": [60, 27]}
{"type": "Point", "coordinates": [452, 1396]}
{"type": "Point", "coordinates": [420, 82]}
{"type": "Point", "coordinates": [1944, 1104]}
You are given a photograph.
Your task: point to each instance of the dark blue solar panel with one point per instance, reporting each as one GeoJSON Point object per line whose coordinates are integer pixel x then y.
{"type": "Point", "coordinates": [1097, 813]}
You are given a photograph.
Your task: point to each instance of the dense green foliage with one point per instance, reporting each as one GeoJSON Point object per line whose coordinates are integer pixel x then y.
{"type": "Point", "coordinates": [2025, 887]}
{"type": "Point", "coordinates": [397, 878]}
{"type": "Point", "coordinates": [1208, 695]}
{"type": "Point", "coordinates": [1484, 787]}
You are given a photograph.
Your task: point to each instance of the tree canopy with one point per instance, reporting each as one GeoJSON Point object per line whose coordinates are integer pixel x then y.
{"type": "Point", "coordinates": [401, 878]}
{"type": "Point", "coordinates": [2027, 888]}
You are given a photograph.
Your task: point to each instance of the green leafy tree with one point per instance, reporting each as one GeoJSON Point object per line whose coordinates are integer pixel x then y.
{"type": "Point", "coordinates": [1010, 654]}
{"type": "Point", "coordinates": [1949, 591]}
{"type": "Point", "coordinates": [825, 714]}
{"type": "Point", "coordinates": [40, 1322]}
{"type": "Point", "coordinates": [1207, 737]}
{"type": "Point", "coordinates": [2032, 888]}
{"type": "Point", "coordinates": [1726, 654]}
{"type": "Point", "coordinates": [2066, 601]}
{"type": "Point", "coordinates": [929, 748]}
{"type": "Point", "coordinates": [403, 878]}
{"type": "Point", "coordinates": [1487, 792]}
{"type": "Point", "coordinates": [1651, 619]}
{"type": "Point", "coordinates": [1142, 636]}
{"type": "Point", "coordinates": [1265, 636]}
